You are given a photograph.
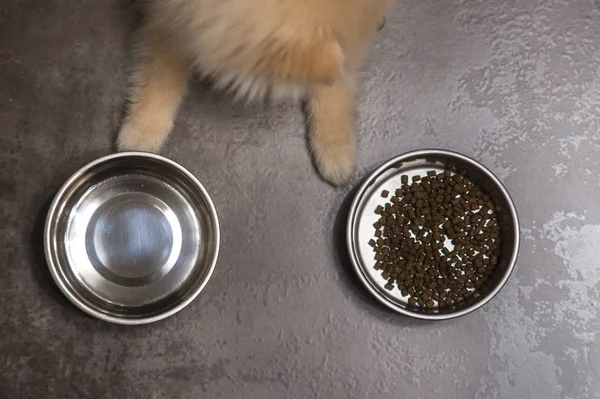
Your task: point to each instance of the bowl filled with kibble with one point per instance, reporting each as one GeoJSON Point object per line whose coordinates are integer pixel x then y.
{"type": "Point", "coordinates": [433, 234]}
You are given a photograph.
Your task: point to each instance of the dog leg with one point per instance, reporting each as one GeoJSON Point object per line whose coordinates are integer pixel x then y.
{"type": "Point", "coordinates": [159, 84]}
{"type": "Point", "coordinates": [331, 129]}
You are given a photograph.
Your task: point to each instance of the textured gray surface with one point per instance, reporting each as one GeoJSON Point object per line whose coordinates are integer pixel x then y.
{"type": "Point", "coordinates": [515, 84]}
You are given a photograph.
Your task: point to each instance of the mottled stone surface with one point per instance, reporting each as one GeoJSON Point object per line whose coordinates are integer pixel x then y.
{"type": "Point", "coordinates": [513, 83]}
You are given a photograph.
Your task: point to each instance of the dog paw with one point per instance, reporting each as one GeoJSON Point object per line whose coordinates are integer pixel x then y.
{"type": "Point", "coordinates": [133, 138]}
{"type": "Point", "coordinates": [335, 160]}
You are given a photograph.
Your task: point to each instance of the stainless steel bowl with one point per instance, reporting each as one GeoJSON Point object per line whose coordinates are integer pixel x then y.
{"type": "Point", "coordinates": [387, 177]}
{"type": "Point", "coordinates": [132, 238]}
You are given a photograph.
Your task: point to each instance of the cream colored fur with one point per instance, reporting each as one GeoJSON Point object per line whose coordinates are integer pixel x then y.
{"type": "Point", "coordinates": [256, 49]}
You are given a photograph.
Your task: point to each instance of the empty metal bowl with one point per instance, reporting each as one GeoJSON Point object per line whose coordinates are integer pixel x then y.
{"type": "Point", "coordinates": [132, 238]}
{"type": "Point", "coordinates": [388, 177]}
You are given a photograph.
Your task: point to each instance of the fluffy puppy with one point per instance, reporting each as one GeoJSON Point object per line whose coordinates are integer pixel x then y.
{"type": "Point", "coordinates": [277, 49]}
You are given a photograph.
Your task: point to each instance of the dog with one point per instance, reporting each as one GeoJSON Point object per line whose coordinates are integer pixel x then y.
{"type": "Point", "coordinates": [257, 49]}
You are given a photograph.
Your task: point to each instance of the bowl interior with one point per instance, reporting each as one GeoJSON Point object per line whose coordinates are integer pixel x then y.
{"type": "Point", "coordinates": [131, 238]}
{"type": "Point", "coordinates": [362, 217]}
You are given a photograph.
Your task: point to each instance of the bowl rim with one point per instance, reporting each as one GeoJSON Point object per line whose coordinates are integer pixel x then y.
{"type": "Point", "coordinates": [57, 273]}
{"type": "Point", "coordinates": [352, 225]}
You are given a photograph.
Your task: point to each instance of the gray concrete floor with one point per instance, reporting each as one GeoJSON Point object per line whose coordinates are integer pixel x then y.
{"type": "Point", "coordinates": [515, 84]}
